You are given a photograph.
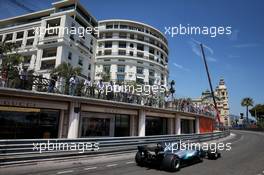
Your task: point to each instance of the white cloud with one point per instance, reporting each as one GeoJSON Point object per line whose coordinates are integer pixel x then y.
{"type": "Point", "coordinates": [180, 67]}
{"type": "Point", "coordinates": [195, 45]}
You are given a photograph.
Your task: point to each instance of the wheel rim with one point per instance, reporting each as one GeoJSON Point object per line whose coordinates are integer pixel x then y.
{"type": "Point", "coordinates": [216, 155]}
{"type": "Point", "coordinates": [177, 165]}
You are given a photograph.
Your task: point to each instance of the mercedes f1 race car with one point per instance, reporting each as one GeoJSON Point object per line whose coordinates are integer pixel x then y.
{"type": "Point", "coordinates": [166, 159]}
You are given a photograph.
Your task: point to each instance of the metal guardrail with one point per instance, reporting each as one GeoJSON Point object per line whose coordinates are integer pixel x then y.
{"type": "Point", "coordinates": [22, 149]}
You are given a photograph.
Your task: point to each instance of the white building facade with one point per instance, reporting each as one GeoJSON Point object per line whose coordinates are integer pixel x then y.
{"type": "Point", "coordinates": [131, 51]}
{"type": "Point", "coordinates": [46, 38]}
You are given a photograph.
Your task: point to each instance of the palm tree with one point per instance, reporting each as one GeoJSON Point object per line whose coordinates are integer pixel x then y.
{"type": "Point", "coordinates": [66, 71]}
{"type": "Point", "coordinates": [246, 102]}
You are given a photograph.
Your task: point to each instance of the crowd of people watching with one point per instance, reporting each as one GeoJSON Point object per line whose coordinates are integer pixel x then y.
{"type": "Point", "coordinates": [87, 88]}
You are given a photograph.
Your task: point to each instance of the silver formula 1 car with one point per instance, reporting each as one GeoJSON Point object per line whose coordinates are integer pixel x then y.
{"type": "Point", "coordinates": [166, 159]}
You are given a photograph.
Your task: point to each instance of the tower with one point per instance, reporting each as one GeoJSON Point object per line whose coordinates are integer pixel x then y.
{"type": "Point", "coordinates": [223, 106]}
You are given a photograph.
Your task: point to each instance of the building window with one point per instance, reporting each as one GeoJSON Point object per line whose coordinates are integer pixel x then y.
{"type": "Point", "coordinates": [52, 32]}
{"type": "Point", "coordinates": [9, 37]}
{"type": "Point", "coordinates": [140, 54]}
{"type": "Point", "coordinates": [120, 68]}
{"type": "Point", "coordinates": [121, 52]}
{"type": "Point", "coordinates": [140, 47]}
{"type": "Point", "coordinates": [151, 50]}
{"type": "Point", "coordinates": [151, 72]}
{"type": "Point", "coordinates": [132, 36]}
{"type": "Point", "coordinates": [131, 53]}
{"type": "Point", "coordinates": [30, 42]}
{"type": "Point", "coordinates": [107, 52]}
{"type": "Point", "coordinates": [123, 27]}
{"type": "Point", "coordinates": [151, 81]}
{"type": "Point", "coordinates": [122, 35]}
{"type": "Point", "coordinates": [108, 35]}
{"type": "Point", "coordinates": [151, 57]}
{"type": "Point", "coordinates": [49, 52]}
{"type": "Point", "coordinates": [18, 43]}
{"type": "Point", "coordinates": [69, 55]}
{"type": "Point", "coordinates": [140, 81]}
{"type": "Point", "coordinates": [100, 53]}
{"type": "Point", "coordinates": [140, 70]}
{"type": "Point", "coordinates": [19, 35]}
{"type": "Point", "coordinates": [151, 41]}
{"type": "Point", "coordinates": [89, 67]}
{"type": "Point", "coordinates": [91, 50]}
{"type": "Point", "coordinates": [140, 37]}
{"type": "Point", "coordinates": [108, 44]}
{"type": "Point", "coordinates": [122, 44]}
{"type": "Point", "coordinates": [72, 37]}
{"type": "Point", "coordinates": [53, 23]}
{"type": "Point", "coordinates": [31, 33]}
{"type": "Point", "coordinates": [109, 26]}
{"type": "Point", "coordinates": [47, 64]}
{"type": "Point", "coordinates": [120, 78]}
{"type": "Point", "coordinates": [1, 38]}
{"type": "Point", "coordinates": [131, 45]}
{"type": "Point", "coordinates": [161, 55]}
{"type": "Point", "coordinates": [106, 69]}
{"type": "Point", "coordinates": [80, 61]}
{"type": "Point", "coordinates": [116, 26]}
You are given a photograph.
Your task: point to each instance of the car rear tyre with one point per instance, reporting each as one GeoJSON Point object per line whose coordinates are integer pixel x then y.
{"type": "Point", "coordinates": [213, 155]}
{"type": "Point", "coordinates": [171, 163]}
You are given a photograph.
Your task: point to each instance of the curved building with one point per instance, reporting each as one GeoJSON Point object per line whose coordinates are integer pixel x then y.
{"type": "Point", "coordinates": [131, 51]}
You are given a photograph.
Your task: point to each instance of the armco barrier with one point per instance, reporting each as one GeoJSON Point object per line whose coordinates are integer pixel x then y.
{"type": "Point", "coordinates": [20, 150]}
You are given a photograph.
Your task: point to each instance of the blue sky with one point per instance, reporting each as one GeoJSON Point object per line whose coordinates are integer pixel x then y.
{"type": "Point", "coordinates": [238, 58]}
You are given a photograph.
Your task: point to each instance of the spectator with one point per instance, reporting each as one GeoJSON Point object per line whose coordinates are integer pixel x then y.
{"type": "Point", "coordinates": [100, 88]}
{"type": "Point", "coordinates": [23, 78]}
{"type": "Point", "coordinates": [166, 101]}
{"type": "Point", "coordinates": [3, 78]}
{"type": "Point", "coordinates": [110, 91]}
{"type": "Point", "coordinates": [52, 84]}
{"type": "Point", "coordinates": [88, 87]}
{"type": "Point", "coordinates": [73, 83]}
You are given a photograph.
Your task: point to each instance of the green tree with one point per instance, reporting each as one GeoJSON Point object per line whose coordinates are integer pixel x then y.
{"type": "Point", "coordinates": [66, 71]}
{"type": "Point", "coordinates": [10, 63]}
{"type": "Point", "coordinates": [105, 76]}
{"type": "Point", "coordinates": [246, 102]}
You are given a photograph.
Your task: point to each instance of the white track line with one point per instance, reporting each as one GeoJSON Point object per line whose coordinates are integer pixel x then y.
{"type": "Point", "coordinates": [130, 162]}
{"type": "Point", "coordinates": [90, 168]}
{"type": "Point", "coordinates": [111, 165]}
{"type": "Point", "coordinates": [64, 172]}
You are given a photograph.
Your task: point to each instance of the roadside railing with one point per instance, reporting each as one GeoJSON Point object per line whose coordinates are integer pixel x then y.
{"type": "Point", "coordinates": [17, 150]}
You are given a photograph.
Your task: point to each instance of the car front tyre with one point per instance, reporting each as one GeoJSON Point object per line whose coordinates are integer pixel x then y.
{"type": "Point", "coordinates": [139, 160]}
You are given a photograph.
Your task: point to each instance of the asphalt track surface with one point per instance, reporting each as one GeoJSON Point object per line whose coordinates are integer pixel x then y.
{"type": "Point", "coordinates": [245, 158]}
